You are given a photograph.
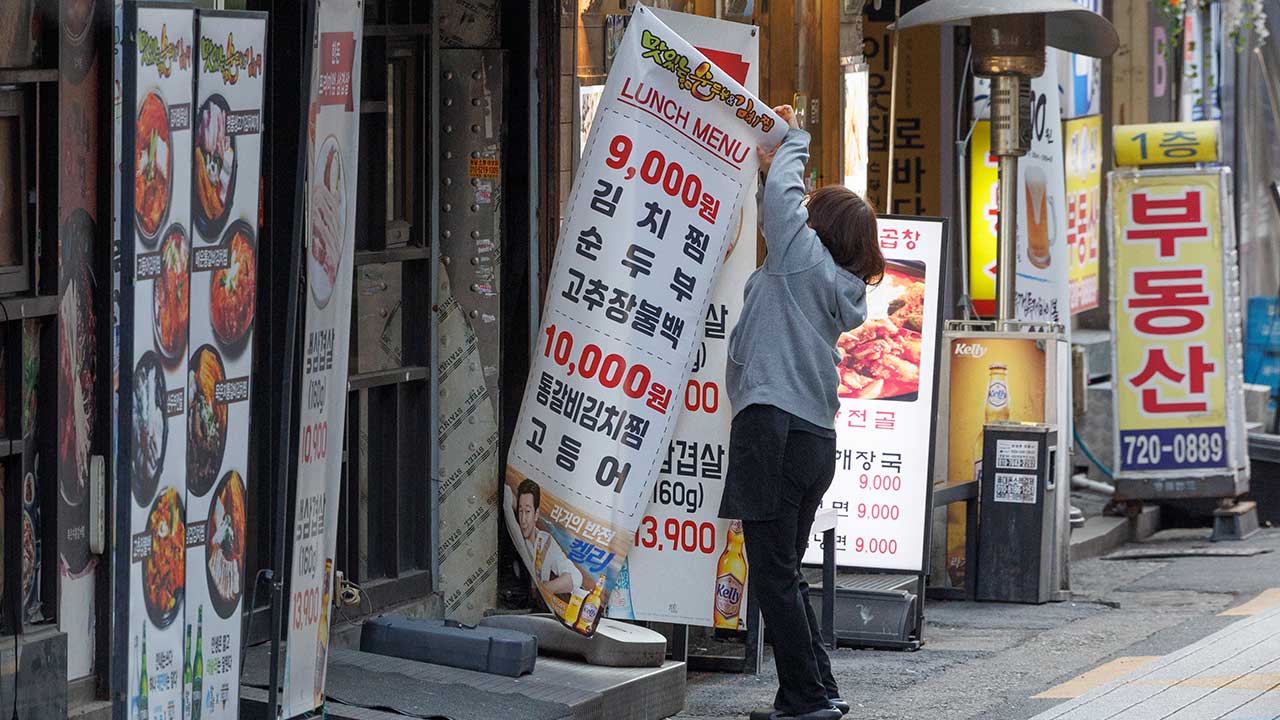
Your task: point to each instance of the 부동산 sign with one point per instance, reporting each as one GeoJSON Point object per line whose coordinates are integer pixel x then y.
{"type": "Point", "coordinates": [1178, 406]}
{"type": "Point", "coordinates": [888, 388]}
{"type": "Point", "coordinates": [655, 204]}
{"type": "Point", "coordinates": [329, 242]}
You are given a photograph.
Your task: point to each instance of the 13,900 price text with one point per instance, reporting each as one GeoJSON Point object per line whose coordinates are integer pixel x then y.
{"type": "Point", "coordinates": [683, 535]}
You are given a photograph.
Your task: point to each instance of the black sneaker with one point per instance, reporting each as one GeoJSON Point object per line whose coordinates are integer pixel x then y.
{"type": "Point", "coordinates": [840, 705]}
{"type": "Point", "coordinates": [830, 713]}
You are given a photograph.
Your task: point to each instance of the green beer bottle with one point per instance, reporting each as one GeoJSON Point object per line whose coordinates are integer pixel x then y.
{"type": "Point", "coordinates": [186, 675]}
{"type": "Point", "coordinates": [143, 704]}
{"type": "Point", "coordinates": [197, 670]}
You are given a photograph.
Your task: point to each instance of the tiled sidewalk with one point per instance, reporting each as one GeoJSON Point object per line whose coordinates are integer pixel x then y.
{"type": "Point", "coordinates": [1233, 674]}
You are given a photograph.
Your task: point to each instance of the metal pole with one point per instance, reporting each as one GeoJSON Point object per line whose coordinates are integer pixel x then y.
{"type": "Point", "coordinates": [893, 109]}
{"type": "Point", "coordinates": [286, 455]}
{"type": "Point", "coordinates": [1007, 259]}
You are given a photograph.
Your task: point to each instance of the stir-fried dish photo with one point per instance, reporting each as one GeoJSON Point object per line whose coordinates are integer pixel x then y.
{"type": "Point", "coordinates": [153, 166]}
{"type": "Point", "coordinates": [225, 544]}
{"type": "Point", "coordinates": [206, 420]}
{"type": "Point", "coordinates": [164, 571]}
{"type": "Point", "coordinates": [231, 296]}
{"type": "Point", "coordinates": [150, 427]}
{"type": "Point", "coordinates": [881, 359]}
{"type": "Point", "coordinates": [215, 167]}
{"type": "Point", "coordinates": [172, 294]}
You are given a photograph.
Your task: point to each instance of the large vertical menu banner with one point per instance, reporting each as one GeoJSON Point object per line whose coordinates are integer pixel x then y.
{"type": "Point", "coordinates": [653, 212]}
{"type": "Point", "coordinates": [888, 402]}
{"type": "Point", "coordinates": [80, 114]}
{"type": "Point", "coordinates": [691, 478]}
{"type": "Point", "coordinates": [157, 97]}
{"type": "Point", "coordinates": [1084, 209]}
{"type": "Point", "coordinates": [333, 133]}
{"type": "Point", "coordinates": [1176, 357]}
{"type": "Point", "coordinates": [226, 154]}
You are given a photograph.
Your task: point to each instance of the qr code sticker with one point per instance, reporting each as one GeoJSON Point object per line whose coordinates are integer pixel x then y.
{"type": "Point", "coordinates": [1015, 488]}
{"type": "Point", "coordinates": [1017, 455]}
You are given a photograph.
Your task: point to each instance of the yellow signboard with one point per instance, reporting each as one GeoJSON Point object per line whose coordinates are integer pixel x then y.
{"type": "Point", "coordinates": [1084, 209]}
{"type": "Point", "coordinates": [984, 212]}
{"type": "Point", "coordinates": [1168, 317]}
{"type": "Point", "coordinates": [1166, 143]}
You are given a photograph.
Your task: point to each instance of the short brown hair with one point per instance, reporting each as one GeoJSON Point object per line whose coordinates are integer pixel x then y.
{"type": "Point", "coordinates": [529, 487]}
{"type": "Point", "coordinates": [847, 226]}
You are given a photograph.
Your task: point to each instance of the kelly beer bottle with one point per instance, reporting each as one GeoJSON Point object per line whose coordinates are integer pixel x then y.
{"type": "Point", "coordinates": [574, 608]}
{"type": "Point", "coordinates": [997, 409]}
{"type": "Point", "coordinates": [590, 607]}
{"type": "Point", "coordinates": [322, 634]}
{"type": "Point", "coordinates": [731, 579]}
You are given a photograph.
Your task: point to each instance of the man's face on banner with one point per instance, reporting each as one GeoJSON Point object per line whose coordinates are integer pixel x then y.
{"type": "Point", "coordinates": [527, 516]}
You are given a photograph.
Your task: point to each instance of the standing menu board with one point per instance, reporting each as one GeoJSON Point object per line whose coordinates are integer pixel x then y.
{"type": "Point", "coordinates": [657, 194]}
{"type": "Point", "coordinates": [668, 580]}
{"type": "Point", "coordinates": [332, 145]}
{"type": "Point", "coordinates": [888, 402]}
{"type": "Point", "coordinates": [157, 94]}
{"type": "Point", "coordinates": [226, 158]}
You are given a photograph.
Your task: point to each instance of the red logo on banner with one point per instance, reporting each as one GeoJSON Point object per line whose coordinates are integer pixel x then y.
{"type": "Point", "coordinates": [731, 63]}
{"type": "Point", "coordinates": [337, 55]}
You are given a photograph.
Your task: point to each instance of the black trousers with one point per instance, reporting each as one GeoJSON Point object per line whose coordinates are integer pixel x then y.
{"type": "Point", "coordinates": [780, 467]}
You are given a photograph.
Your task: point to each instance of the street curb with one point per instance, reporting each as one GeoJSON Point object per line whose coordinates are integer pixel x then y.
{"type": "Point", "coordinates": [1102, 534]}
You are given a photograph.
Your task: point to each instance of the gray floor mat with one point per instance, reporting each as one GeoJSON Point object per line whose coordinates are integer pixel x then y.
{"type": "Point", "coordinates": [401, 693]}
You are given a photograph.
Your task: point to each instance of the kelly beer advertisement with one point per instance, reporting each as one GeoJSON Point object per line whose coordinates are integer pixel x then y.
{"type": "Point", "coordinates": [328, 241]}
{"type": "Point", "coordinates": [887, 392]}
{"type": "Point", "coordinates": [653, 212]}
{"type": "Point", "coordinates": [991, 379]}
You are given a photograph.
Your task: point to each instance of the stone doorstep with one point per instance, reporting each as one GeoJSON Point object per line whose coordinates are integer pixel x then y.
{"type": "Point", "coordinates": [1103, 533]}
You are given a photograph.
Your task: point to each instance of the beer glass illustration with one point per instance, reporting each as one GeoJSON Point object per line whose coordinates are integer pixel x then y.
{"type": "Point", "coordinates": [1042, 226]}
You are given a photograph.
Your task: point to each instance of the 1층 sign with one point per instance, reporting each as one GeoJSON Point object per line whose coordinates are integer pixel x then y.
{"type": "Point", "coordinates": [654, 207]}
{"type": "Point", "coordinates": [888, 394]}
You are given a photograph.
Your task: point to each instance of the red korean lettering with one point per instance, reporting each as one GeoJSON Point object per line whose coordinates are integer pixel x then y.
{"type": "Point", "coordinates": [1157, 365]}
{"type": "Point", "coordinates": [1165, 301]}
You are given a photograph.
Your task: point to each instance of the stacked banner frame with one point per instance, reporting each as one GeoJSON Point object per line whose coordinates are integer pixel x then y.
{"type": "Point", "coordinates": [191, 125]}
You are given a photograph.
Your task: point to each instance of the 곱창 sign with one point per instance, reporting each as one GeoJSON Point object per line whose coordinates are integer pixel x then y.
{"type": "Point", "coordinates": [654, 208]}
{"type": "Point", "coordinates": [1177, 406]}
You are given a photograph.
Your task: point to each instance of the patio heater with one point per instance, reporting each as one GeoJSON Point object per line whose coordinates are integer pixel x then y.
{"type": "Point", "coordinates": [1009, 39]}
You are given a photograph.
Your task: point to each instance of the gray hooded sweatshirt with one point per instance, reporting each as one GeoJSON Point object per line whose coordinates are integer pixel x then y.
{"type": "Point", "coordinates": [782, 351]}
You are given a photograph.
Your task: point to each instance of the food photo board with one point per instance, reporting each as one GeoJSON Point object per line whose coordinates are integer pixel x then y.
{"type": "Point", "coordinates": [157, 94]}
{"type": "Point", "coordinates": [226, 156]}
{"type": "Point", "coordinates": [888, 371]}
{"type": "Point", "coordinates": [192, 98]}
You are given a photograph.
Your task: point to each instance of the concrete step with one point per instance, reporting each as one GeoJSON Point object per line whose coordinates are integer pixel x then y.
{"type": "Point", "coordinates": [1103, 533]}
{"type": "Point", "coordinates": [95, 710]}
